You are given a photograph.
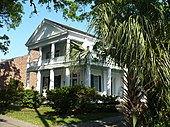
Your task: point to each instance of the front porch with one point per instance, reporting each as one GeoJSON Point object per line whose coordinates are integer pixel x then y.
{"type": "Point", "coordinates": [106, 81]}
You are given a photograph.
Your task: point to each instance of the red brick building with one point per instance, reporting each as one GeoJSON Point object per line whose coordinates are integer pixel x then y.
{"type": "Point", "coordinates": [16, 68]}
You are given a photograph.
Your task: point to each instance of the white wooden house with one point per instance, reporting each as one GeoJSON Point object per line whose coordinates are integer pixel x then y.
{"type": "Point", "coordinates": [52, 41]}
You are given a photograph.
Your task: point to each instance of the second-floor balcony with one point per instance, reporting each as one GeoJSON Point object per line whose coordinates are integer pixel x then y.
{"type": "Point", "coordinates": [53, 60]}
{"type": "Point", "coordinates": [50, 61]}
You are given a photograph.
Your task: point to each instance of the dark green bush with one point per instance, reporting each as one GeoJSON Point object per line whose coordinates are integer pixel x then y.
{"type": "Point", "coordinates": [66, 99]}
{"type": "Point", "coordinates": [86, 97]}
{"type": "Point", "coordinates": [79, 98]}
{"type": "Point", "coordinates": [30, 99]}
{"type": "Point", "coordinates": [10, 94]}
{"type": "Point", "coordinates": [107, 103]}
{"type": "Point", "coordinates": [109, 99]}
{"type": "Point", "coordinates": [60, 99]}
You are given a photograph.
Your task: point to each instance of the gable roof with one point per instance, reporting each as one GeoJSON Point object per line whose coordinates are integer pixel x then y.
{"type": "Point", "coordinates": [62, 27]}
{"type": "Point", "coordinates": [69, 28]}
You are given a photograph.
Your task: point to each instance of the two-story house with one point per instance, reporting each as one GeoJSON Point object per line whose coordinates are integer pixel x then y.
{"type": "Point", "coordinates": [51, 42]}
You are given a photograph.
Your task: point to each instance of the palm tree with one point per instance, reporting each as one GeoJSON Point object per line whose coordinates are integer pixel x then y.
{"type": "Point", "coordinates": [137, 37]}
{"type": "Point", "coordinates": [78, 52]}
{"type": "Point", "coordinates": [79, 59]}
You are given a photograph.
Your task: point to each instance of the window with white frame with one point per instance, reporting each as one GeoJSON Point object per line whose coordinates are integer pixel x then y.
{"type": "Point", "coordinates": [96, 82]}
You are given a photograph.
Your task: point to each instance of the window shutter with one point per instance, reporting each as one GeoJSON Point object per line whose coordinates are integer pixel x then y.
{"type": "Point", "coordinates": [100, 87]}
{"type": "Point", "coordinates": [92, 81]}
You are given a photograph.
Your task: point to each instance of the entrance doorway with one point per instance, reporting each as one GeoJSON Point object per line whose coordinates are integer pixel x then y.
{"type": "Point", "coordinates": [46, 82]}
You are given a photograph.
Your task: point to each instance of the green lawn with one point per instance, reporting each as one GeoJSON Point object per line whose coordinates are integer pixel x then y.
{"type": "Point", "coordinates": [45, 116]}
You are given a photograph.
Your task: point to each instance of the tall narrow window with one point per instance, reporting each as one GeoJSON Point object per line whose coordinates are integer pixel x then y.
{"type": "Point", "coordinates": [92, 81]}
{"type": "Point", "coordinates": [100, 84]}
{"type": "Point", "coordinates": [113, 86]}
{"type": "Point", "coordinates": [74, 79]}
{"type": "Point", "coordinates": [96, 82]}
{"type": "Point", "coordinates": [57, 81]}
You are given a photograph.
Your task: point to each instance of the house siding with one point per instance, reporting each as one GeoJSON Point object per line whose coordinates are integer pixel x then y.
{"type": "Point", "coordinates": [35, 69]}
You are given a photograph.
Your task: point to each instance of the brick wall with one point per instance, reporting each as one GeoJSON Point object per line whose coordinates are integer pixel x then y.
{"type": "Point", "coordinates": [33, 75]}
{"type": "Point", "coordinates": [16, 68]}
{"type": "Point", "coordinates": [13, 68]}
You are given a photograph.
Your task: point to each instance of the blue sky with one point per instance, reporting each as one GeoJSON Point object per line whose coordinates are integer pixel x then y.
{"type": "Point", "coordinates": [22, 33]}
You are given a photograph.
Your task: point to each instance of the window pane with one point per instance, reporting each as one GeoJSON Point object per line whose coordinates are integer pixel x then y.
{"type": "Point", "coordinates": [96, 82]}
{"type": "Point", "coordinates": [57, 81]}
{"type": "Point", "coordinates": [92, 81]}
{"type": "Point", "coordinates": [100, 87]}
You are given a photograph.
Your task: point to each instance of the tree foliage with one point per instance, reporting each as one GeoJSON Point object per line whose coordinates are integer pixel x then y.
{"type": "Point", "coordinates": [137, 37]}
{"type": "Point", "coordinates": [135, 34]}
{"type": "Point", "coordinates": [11, 12]}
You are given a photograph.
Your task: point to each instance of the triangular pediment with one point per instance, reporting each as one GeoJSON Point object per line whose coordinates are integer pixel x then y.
{"type": "Point", "coordinates": [45, 30]}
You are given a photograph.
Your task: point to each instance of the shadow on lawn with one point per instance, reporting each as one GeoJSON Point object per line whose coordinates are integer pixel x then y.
{"type": "Point", "coordinates": [4, 110]}
{"type": "Point", "coordinates": [57, 119]}
{"type": "Point", "coordinates": [86, 119]}
{"type": "Point", "coordinates": [42, 118]}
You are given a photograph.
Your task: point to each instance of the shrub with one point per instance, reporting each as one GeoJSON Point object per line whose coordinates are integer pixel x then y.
{"type": "Point", "coordinates": [107, 103]}
{"type": "Point", "coordinates": [11, 93]}
{"type": "Point", "coordinates": [86, 97]}
{"type": "Point", "coordinates": [61, 99]}
{"type": "Point", "coordinates": [30, 99]}
{"type": "Point", "coordinates": [109, 99]}
{"type": "Point", "coordinates": [79, 98]}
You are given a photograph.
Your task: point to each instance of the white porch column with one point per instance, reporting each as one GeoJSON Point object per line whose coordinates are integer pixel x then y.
{"type": "Point", "coordinates": [109, 81]}
{"type": "Point", "coordinates": [88, 75]}
{"type": "Point", "coordinates": [51, 79]}
{"type": "Point", "coordinates": [68, 50]}
{"type": "Point", "coordinates": [28, 73]}
{"type": "Point", "coordinates": [40, 56]}
{"type": "Point", "coordinates": [67, 77]}
{"type": "Point", "coordinates": [88, 70]}
{"type": "Point", "coordinates": [104, 82]}
{"type": "Point", "coordinates": [52, 51]}
{"type": "Point", "coordinates": [27, 80]}
{"type": "Point", "coordinates": [39, 86]}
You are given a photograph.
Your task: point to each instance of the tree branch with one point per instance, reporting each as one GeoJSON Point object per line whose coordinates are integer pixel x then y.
{"type": "Point", "coordinates": [33, 4]}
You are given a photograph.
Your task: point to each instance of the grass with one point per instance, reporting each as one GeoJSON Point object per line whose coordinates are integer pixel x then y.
{"type": "Point", "coordinates": [46, 116]}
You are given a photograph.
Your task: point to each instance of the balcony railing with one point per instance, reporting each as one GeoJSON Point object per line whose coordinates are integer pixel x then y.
{"type": "Point", "coordinates": [45, 61]}
{"type": "Point", "coordinates": [48, 61]}
{"type": "Point", "coordinates": [57, 59]}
